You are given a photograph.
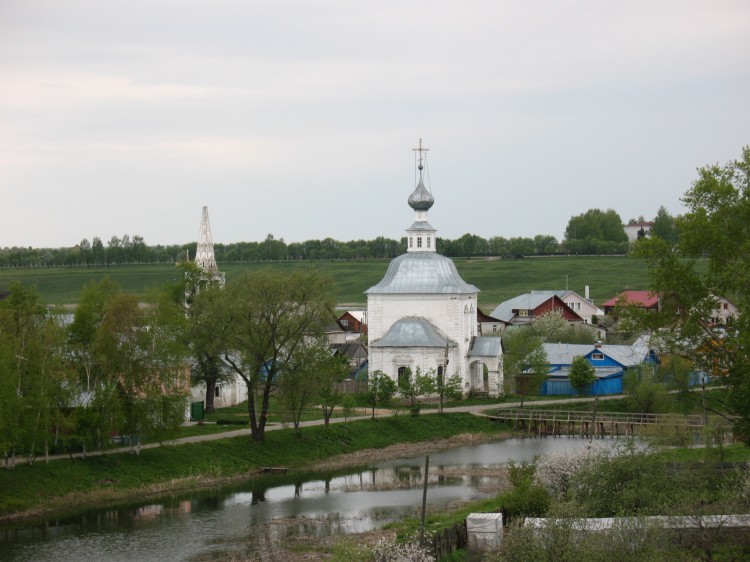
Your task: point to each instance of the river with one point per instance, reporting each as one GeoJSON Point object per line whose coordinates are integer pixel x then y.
{"type": "Point", "coordinates": [259, 514]}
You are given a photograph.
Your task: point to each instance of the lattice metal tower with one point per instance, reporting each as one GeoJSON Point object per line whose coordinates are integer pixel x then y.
{"type": "Point", "coordinates": [204, 255]}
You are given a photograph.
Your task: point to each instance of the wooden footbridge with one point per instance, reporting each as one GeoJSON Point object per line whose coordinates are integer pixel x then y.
{"type": "Point", "coordinates": [598, 424]}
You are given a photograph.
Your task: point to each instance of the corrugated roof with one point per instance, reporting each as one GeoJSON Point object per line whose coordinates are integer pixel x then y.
{"type": "Point", "coordinates": [485, 346]}
{"type": "Point", "coordinates": [625, 355]}
{"type": "Point", "coordinates": [354, 350]}
{"type": "Point", "coordinates": [422, 225]}
{"type": "Point", "coordinates": [642, 298]}
{"type": "Point", "coordinates": [530, 301]}
{"type": "Point", "coordinates": [413, 331]}
{"type": "Point", "coordinates": [422, 272]}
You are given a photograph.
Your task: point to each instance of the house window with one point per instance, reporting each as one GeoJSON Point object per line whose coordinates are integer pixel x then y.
{"type": "Point", "coordinates": [344, 322]}
{"type": "Point", "coordinates": [523, 312]}
{"type": "Point", "coordinates": [494, 328]}
{"type": "Point", "coordinates": [578, 306]}
{"type": "Point", "coordinates": [429, 241]}
{"type": "Point", "coordinates": [419, 241]}
{"type": "Point", "coordinates": [440, 374]}
{"type": "Point", "coordinates": [217, 392]}
{"type": "Point", "coordinates": [725, 306]}
{"type": "Point", "coordinates": [597, 356]}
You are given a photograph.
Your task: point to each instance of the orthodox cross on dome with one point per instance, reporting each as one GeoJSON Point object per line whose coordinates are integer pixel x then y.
{"type": "Point", "coordinates": [421, 157]}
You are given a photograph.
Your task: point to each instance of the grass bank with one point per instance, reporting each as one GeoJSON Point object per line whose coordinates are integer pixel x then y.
{"type": "Point", "coordinates": [66, 485]}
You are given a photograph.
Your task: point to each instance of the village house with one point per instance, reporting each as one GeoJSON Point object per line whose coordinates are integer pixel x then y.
{"type": "Point", "coordinates": [610, 363]}
{"type": "Point", "coordinates": [637, 229]}
{"type": "Point", "coordinates": [524, 309]}
{"type": "Point", "coordinates": [354, 323]}
{"type": "Point", "coordinates": [641, 299]}
{"type": "Point", "coordinates": [725, 312]}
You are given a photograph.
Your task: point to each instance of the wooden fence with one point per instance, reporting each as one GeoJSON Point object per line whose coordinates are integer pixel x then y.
{"type": "Point", "coordinates": [448, 540]}
{"type": "Point", "coordinates": [574, 422]}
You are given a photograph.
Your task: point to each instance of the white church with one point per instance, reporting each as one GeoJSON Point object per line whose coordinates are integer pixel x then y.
{"type": "Point", "coordinates": [422, 314]}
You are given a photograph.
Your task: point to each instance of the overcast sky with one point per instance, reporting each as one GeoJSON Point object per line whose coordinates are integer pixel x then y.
{"type": "Point", "coordinates": [298, 118]}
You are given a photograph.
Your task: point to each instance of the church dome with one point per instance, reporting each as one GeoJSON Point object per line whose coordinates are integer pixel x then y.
{"type": "Point", "coordinates": [421, 199]}
{"type": "Point", "coordinates": [413, 332]}
{"type": "Point", "coordinates": [422, 272]}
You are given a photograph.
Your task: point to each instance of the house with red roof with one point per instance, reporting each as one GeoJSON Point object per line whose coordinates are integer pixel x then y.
{"type": "Point", "coordinates": [526, 308]}
{"type": "Point", "coordinates": [642, 299]}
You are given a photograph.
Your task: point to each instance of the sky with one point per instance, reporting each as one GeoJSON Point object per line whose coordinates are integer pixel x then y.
{"type": "Point", "coordinates": [298, 118]}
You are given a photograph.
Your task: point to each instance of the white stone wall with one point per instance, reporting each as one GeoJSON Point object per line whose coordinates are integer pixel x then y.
{"type": "Point", "coordinates": [230, 393]}
{"type": "Point", "coordinates": [454, 315]}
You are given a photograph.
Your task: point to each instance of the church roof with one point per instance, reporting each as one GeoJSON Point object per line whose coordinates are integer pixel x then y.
{"type": "Point", "coordinates": [422, 272]}
{"type": "Point", "coordinates": [413, 331]}
{"type": "Point", "coordinates": [485, 346]}
{"type": "Point", "coordinates": [422, 225]}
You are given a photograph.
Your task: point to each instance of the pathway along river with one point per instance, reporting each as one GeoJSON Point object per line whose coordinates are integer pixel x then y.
{"type": "Point", "coordinates": [259, 514]}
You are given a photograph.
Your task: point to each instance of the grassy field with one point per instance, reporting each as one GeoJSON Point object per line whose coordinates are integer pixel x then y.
{"type": "Point", "coordinates": [119, 476]}
{"type": "Point", "coordinates": [498, 279]}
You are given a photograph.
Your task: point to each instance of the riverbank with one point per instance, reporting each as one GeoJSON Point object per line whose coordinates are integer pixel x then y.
{"type": "Point", "coordinates": [60, 487]}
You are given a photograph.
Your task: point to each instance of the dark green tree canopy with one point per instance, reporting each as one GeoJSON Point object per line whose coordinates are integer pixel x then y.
{"type": "Point", "coordinates": [598, 225]}
{"type": "Point", "coordinates": [665, 226]}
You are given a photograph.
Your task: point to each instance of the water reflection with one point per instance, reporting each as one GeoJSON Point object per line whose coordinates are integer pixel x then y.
{"type": "Point", "coordinates": [263, 512]}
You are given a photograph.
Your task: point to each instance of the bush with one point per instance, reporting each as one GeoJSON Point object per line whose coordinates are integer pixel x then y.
{"type": "Point", "coordinates": [525, 499]}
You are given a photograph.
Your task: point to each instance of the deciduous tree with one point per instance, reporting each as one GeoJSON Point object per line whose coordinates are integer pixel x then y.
{"type": "Point", "coordinates": [271, 315]}
{"type": "Point", "coordinates": [380, 390]}
{"type": "Point", "coordinates": [524, 361]}
{"type": "Point", "coordinates": [582, 374]}
{"type": "Point", "coordinates": [413, 384]}
{"type": "Point", "coordinates": [714, 230]}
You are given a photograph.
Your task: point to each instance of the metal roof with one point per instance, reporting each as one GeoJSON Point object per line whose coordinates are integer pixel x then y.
{"type": "Point", "coordinates": [529, 301]}
{"type": "Point", "coordinates": [625, 355]}
{"type": "Point", "coordinates": [413, 331]}
{"type": "Point", "coordinates": [422, 225]}
{"type": "Point", "coordinates": [485, 346]}
{"type": "Point", "coordinates": [422, 272]}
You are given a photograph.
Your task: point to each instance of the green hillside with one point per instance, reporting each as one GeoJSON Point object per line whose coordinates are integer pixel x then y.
{"type": "Point", "coordinates": [498, 279]}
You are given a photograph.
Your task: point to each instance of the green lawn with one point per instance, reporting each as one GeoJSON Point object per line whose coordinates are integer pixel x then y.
{"type": "Point", "coordinates": [498, 279]}
{"type": "Point", "coordinates": [40, 484]}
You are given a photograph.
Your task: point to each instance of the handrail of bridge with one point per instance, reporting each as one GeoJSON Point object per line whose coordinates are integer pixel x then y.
{"type": "Point", "coordinates": [533, 414]}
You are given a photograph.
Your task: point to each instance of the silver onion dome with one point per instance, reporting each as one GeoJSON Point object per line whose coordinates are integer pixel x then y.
{"type": "Point", "coordinates": [421, 199]}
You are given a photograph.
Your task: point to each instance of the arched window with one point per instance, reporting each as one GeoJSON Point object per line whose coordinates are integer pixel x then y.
{"type": "Point", "coordinates": [403, 375]}
{"type": "Point", "coordinates": [429, 241]}
{"type": "Point", "coordinates": [419, 241]}
{"type": "Point", "coordinates": [440, 374]}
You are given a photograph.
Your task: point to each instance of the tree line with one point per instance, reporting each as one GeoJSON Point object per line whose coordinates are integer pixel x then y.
{"type": "Point", "coordinates": [593, 232]}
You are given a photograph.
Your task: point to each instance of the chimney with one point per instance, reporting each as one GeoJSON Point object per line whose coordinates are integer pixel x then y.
{"type": "Point", "coordinates": [598, 344]}
{"type": "Point", "coordinates": [586, 292]}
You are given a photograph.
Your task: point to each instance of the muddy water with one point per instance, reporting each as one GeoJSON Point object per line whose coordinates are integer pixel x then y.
{"type": "Point", "coordinates": [260, 514]}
